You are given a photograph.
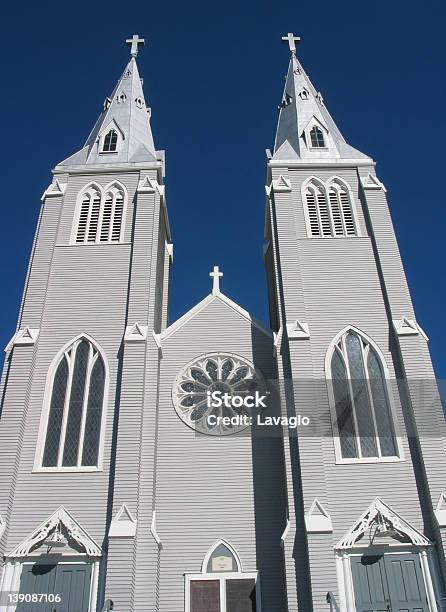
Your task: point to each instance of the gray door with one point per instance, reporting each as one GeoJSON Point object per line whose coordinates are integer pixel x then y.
{"type": "Point", "coordinates": [71, 581]}
{"type": "Point", "coordinates": [389, 583]}
{"type": "Point", "coordinates": [406, 584]}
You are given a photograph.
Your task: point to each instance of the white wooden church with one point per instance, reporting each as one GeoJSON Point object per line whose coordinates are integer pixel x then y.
{"type": "Point", "coordinates": [117, 489]}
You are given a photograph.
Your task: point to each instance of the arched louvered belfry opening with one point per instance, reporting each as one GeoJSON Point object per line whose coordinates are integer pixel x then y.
{"type": "Point", "coordinates": [88, 218]}
{"type": "Point", "coordinates": [317, 208]}
{"type": "Point", "coordinates": [100, 214]}
{"type": "Point", "coordinates": [361, 400]}
{"type": "Point", "coordinates": [329, 208]}
{"type": "Point", "coordinates": [113, 213]}
{"type": "Point", "coordinates": [73, 416]}
{"type": "Point", "coordinates": [341, 208]}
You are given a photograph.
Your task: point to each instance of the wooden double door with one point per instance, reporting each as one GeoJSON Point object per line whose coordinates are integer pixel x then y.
{"type": "Point", "coordinates": [389, 583]}
{"type": "Point", "coordinates": [64, 587]}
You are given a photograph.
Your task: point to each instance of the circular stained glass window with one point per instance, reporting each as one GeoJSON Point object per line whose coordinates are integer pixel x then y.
{"type": "Point", "coordinates": [213, 379]}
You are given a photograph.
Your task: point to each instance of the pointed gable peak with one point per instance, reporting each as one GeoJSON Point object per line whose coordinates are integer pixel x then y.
{"type": "Point", "coordinates": [122, 133]}
{"type": "Point", "coordinates": [302, 108]}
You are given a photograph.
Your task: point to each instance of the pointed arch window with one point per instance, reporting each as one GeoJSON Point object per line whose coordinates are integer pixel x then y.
{"type": "Point", "coordinates": [363, 417]}
{"type": "Point", "coordinates": [222, 586]}
{"type": "Point", "coordinates": [101, 215]}
{"type": "Point", "coordinates": [317, 139]}
{"type": "Point", "coordinates": [341, 210]}
{"type": "Point", "coordinates": [329, 210]}
{"type": "Point", "coordinates": [72, 437]}
{"type": "Point", "coordinates": [317, 209]}
{"type": "Point", "coordinates": [110, 143]}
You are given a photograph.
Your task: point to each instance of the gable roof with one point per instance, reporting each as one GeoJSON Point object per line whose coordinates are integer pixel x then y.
{"type": "Point", "coordinates": [179, 323]}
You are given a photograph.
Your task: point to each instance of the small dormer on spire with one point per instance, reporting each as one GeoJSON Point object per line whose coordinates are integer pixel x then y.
{"type": "Point", "coordinates": [122, 133]}
{"type": "Point", "coordinates": [305, 128]}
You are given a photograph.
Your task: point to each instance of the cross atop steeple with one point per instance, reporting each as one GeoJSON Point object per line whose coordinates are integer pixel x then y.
{"type": "Point", "coordinates": [216, 274]}
{"type": "Point", "coordinates": [291, 40]}
{"type": "Point", "coordinates": [134, 42]}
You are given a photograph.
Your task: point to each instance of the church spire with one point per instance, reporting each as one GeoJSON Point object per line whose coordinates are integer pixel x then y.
{"type": "Point", "coordinates": [305, 128]}
{"type": "Point", "coordinates": [122, 133]}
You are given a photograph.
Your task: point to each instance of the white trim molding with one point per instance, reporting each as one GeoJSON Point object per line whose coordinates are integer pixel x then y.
{"type": "Point", "coordinates": [371, 181]}
{"type": "Point", "coordinates": [281, 184]}
{"type": "Point", "coordinates": [298, 330]}
{"type": "Point", "coordinates": [56, 188]}
{"type": "Point", "coordinates": [25, 336]}
{"type": "Point", "coordinates": [154, 531]}
{"type": "Point", "coordinates": [123, 525]}
{"type": "Point", "coordinates": [317, 519]}
{"type": "Point", "coordinates": [408, 327]}
{"type": "Point", "coordinates": [135, 333]}
{"type": "Point", "coordinates": [214, 546]}
{"type": "Point", "coordinates": [278, 341]}
{"type": "Point", "coordinates": [440, 510]}
{"type": "Point", "coordinates": [169, 250]}
{"type": "Point", "coordinates": [380, 515]}
{"type": "Point", "coordinates": [146, 185]}
{"type": "Point", "coordinates": [2, 527]}
{"type": "Point", "coordinates": [73, 531]}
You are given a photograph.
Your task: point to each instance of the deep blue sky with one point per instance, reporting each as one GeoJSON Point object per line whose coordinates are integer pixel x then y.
{"type": "Point", "coordinates": [213, 74]}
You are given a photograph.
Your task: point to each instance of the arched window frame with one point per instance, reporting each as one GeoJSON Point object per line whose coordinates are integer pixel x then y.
{"type": "Point", "coordinates": [318, 131]}
{"type": "Point", "coordinates": [335, 182]}
{"type": "Point", "coordinates": [43, 427]}
{"type": "Point", "coordinates": [222, 577]}
{"type": "Point", "coordinates": [389, 396]}
{"type": "Point", "coordinates": [314, 122]}
{"type": "Point", "coordinates": [120, 138]}
{"type": "Point", "coordinates": [113, 187]}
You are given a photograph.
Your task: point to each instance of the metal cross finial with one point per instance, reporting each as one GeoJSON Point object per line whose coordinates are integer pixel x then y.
{"type": "Point", "coordinates": [134, 42]}
{"type": "Point", "coordinates": [216, 274]}
{"type": "Point", "coordinates": [291, 40]}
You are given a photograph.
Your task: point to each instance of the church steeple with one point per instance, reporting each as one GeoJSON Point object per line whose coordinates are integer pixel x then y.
{"type": "Point", "coordinates": [305, 128]}
{"type": "Point", "coordinates": [122, 133]}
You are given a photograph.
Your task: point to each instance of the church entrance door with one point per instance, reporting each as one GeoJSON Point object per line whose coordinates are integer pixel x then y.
{"type": "Point", "coordinates": [61, 587]}
{"type": "Point", "coordinates": [389, 583]}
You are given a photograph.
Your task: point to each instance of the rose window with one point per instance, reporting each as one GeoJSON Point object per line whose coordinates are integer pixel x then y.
{"type": "Point", "coordinates": [222, 372]}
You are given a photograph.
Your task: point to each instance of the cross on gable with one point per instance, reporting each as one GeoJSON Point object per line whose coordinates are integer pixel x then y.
{"type": "Point", "coordinates": [291, 40]}
{"type": "Point", "coordinates": [134, 42]}
{"type": "Point", "coordinates": [216, 275]}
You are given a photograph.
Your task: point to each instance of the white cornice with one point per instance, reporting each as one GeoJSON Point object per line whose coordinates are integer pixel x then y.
{"type": "Point", "coordinates": [335, 163]}
{"type": "Point", "coordinates": [106, 168]}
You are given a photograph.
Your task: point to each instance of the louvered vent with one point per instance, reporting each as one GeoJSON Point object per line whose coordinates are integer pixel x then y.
{"type": "Point", "coordinates": [83, 219]}
{"type": "Point", "coordinates": [312, 213]}
{"type": "Point", "coordinates": [117, 218]}
{"type": "Point", "coordinates": [94, 219]}
{"type": "Point", "coordinates": [347, 212]}
{"type": "Point", "coordinates": [106, 218]}
{"type": "Point", "coordinates": [324, 213]}
{"type": "Point", "coordinates": [336, 213]}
